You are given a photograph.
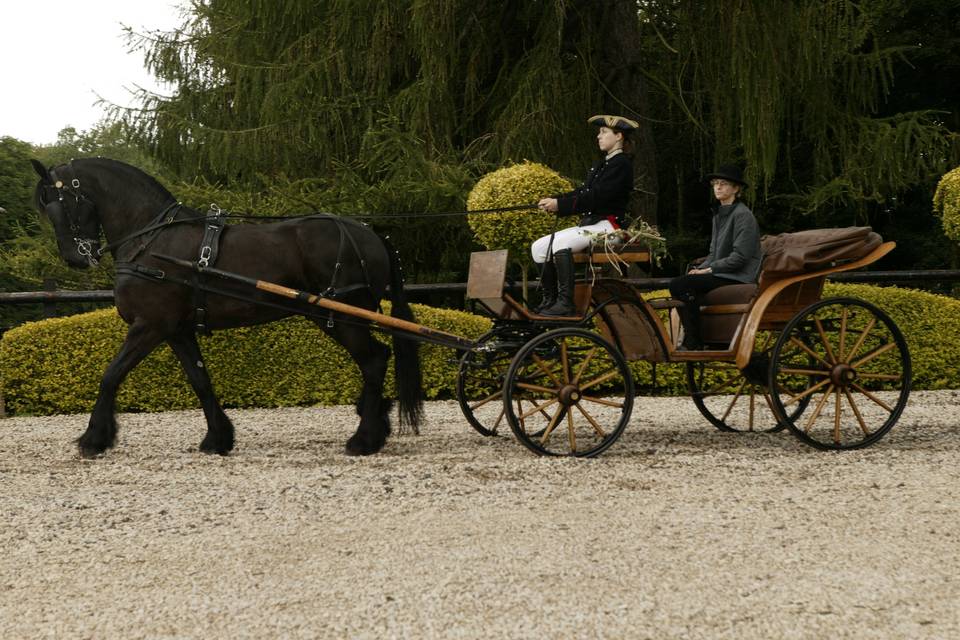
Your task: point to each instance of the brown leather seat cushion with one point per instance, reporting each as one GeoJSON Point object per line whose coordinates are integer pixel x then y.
{"type": "Point", "coordinates": [731, 294]}
{"type": "Point", "coordinates": [718, 329]}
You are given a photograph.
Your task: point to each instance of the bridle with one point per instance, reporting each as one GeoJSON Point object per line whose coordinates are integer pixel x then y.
{"type": "Point", "coordinates": [85, 246]}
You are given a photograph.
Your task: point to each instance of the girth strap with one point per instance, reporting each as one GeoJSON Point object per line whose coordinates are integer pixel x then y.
{"type": "Point", "coordinates": [209, 250]}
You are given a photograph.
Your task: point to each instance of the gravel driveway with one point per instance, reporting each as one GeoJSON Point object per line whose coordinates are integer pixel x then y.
{"type": "Point", "coordinates": [679, 530]}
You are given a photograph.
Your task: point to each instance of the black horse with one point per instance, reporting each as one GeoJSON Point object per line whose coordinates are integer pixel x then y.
{"type": "Point", "coordinates": [160, 302]}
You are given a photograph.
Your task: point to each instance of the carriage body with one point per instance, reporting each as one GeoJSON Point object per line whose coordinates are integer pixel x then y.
{"type": "Point", "coordinates": [835, 372]}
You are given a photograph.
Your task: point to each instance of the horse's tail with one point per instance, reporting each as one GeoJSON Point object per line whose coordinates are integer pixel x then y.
{"type": "Point", "coordinates": [406, 351]}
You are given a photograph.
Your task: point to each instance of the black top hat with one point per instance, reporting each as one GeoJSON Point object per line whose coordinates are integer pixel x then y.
{"type": "Point", "coordinates": [614, 122]}
{"type": "Point", "coordinates": [729, 172]}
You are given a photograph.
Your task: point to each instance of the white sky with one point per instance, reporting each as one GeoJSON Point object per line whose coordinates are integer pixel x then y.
{"type": "Point", "coordinates": [58, 56]}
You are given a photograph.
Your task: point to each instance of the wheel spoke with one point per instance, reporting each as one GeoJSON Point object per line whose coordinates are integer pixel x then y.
{"type": "Point", "coordinates": [873, 354]}
{"type": "Point", "coordinates": [603, 401]}
{"type": "Point", "coordinates": [805, 372]}
{"type": "Point", "coordinates": [485, 381]}
{"type": "Point", "coordinates": [583, 365]}
{"type": "Point", "coordinates": [593, 423]}
{"type": "Point", "coordinates": [856, 412]}
{"type": "Point", "coordinates": [863, 336]}
{"type": "Point", "coordinates": [553, 424]}
{"type": "Point", "coordinates": [479, 404]}
{"type": "Point", "coordinates": [872, 397]}
{"type": "Point", "coordinates": [736, 397]}
{"type": "Point", "coordinates": [812, 353]}
{"type": "Point", "coordinates": [836, 418]}
{"type": "Point", "coordinates": [801, 396]}
{"type": "Point", "coordinates": [843, 335]}
{"type": "Point", "coordinates": [826, 342]}
{"type": "Point", "coordinates": [769, 401]}
{"type": "Point", "coordinates": [725, 385]}
{"type": "Point", "coordinates": [543, 366]}
{"type": "Point", "coordinates": [564, 363]}
{"type": "Point", "coordinates": [572, 432]}
{"type": "Point", "coordinates": [536, 387]}
{"type": "Point", "coordinates": [893, 377]}
{"type": "Point", "coordinates": [536, 407]}
{"type": "Point", "coordinates": [819, 408]}
{"type": "Point", "coordinates": [600, 380]}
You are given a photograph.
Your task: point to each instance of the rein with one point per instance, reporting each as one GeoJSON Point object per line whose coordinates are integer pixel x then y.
{"type": "Point", "coordinates": [163, 220]}
{"type": "Point", "coordinates": [375, 216]}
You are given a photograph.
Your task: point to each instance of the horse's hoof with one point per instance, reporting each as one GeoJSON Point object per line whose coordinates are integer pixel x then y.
{"type": "Point", "coordinates": [210, 447]}
{"type": "Point", "coordinates": [89, 451]}
{"type": "Point", "coordinates": [357, 447]}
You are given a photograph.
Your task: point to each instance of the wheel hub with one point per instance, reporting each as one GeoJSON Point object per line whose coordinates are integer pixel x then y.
{"type": "Point", "coordinates": [842, 375]}
{"type": "Point", "coordinates": [569, 395]}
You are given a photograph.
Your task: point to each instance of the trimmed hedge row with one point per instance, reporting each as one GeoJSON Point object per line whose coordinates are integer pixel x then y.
{"type": "Point", "coordinates": [55, 366]}
{"type": "Point", "coordinates": [929, 322]}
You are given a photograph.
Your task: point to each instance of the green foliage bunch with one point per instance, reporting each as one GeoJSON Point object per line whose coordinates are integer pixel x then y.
{"type": "Point", "coordinates": [946, 200]}
{"type": "Point", "coordinates": [290, 363]}
{"type": "Point", "coordinates": [518, 184]}
{"type": "Point", "coordinates": [284, 363]}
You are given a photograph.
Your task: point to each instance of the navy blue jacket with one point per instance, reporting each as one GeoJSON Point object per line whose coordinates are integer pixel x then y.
{"type": "Point", "coordinates": [605, 193]}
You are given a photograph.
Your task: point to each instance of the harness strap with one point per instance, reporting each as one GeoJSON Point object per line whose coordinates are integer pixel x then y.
{"type": "Point", "coordinates": [209, 250]}
{"type": "Point", "coordinates": [156, 224]}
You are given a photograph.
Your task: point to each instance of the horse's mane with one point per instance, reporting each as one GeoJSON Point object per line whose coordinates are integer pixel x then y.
{"type": "Point", "coordinates": [131, 173]}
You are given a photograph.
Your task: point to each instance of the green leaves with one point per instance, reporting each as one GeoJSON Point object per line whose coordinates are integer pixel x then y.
{"type": "Point", "coordinates": [516, 185]}
{"type": "Point", "coordinates": [946, 201]}
{"type": "Point", "coordinates": [284, 363]}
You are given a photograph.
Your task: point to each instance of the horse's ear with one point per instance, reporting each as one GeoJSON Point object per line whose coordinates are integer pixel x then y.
{"type": "Point", "coordinates": [41, 171]}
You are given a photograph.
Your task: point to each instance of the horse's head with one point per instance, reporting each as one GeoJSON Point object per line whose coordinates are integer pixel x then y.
{"type": "Point", "coordinates": [74, 217]}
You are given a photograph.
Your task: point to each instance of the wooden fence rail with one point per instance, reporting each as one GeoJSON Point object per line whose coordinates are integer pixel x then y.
{"type": "Point", "coordinates": [54, 296]}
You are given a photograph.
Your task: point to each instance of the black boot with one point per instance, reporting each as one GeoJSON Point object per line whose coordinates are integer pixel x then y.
{"type": "Point", "coordinates": [690, 319]}
{"type": "Point", "coordinates": [548, 286]}
{"type": "Point", "coordinates": [565, 277]}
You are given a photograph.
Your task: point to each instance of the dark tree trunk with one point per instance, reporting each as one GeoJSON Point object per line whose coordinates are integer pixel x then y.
{"type": "Point", "coordinates": [620, 70]}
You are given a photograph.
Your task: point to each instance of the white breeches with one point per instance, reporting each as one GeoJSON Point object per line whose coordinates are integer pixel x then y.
{"type": "Point", "coordinates": [574, 238]}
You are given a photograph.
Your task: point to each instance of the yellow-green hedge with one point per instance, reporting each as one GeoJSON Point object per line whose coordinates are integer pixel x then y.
{"type": "Point", "coordinates": [55, 366]}
{"type": "Point", "coordinates": [518, 184]}
{"type": "Point", "coordinates": [930, 324]}
{"type": "Point", "coordinates": [946, 200]}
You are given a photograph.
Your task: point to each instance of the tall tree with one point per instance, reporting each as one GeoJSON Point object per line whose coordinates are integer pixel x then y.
{"type": "Point", "coordinates": [796, 91]}
{"type": "Point", "coordinates": [299, 87]}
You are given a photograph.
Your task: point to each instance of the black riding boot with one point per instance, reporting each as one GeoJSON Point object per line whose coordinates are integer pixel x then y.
{"type": "Point", "coordinates": [690, 319]}
{"type": "Point", "coordinates": [565, 283]}
{"type": "Point", "coordinates": [548, 286]}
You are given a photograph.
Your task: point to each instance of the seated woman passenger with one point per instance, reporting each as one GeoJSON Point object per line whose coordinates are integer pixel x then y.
{"type": "Point", "coordinates": [601, 203]}
{"type": "Point", "coordinates": [734, 256]}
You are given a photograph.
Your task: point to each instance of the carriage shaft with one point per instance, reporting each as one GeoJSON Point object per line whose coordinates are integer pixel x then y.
{"type": "Point", "coordinates": [412, 329]}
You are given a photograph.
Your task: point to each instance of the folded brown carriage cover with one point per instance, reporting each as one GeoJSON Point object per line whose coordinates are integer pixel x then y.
{"type": "Point", "coordinates": [816, 248]}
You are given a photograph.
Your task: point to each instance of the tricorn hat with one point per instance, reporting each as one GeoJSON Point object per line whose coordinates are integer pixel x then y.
{"type": "Point", "coordinates": [729, 172]}
{"type": "Point", "coordinates": [614, 122]}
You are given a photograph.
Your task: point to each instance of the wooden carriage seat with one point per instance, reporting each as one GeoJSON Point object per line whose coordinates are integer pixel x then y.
{"type": "Point", "coordinates": [630, 253]}
{"type": "Point", "coordinates": [722, 311]}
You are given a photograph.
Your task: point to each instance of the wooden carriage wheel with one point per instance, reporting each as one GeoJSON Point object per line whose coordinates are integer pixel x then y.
{"type": "Point", "coordinates": [738, 400]}
{"type": "Point", "coordinates": [568, 392]}
{"type": "Point", "coordinates": [480, 384]}
{"type": "Point", "coordinates": [860, 365]}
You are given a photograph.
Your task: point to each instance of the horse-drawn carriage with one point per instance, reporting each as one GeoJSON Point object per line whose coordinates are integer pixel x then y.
{"type": "Point", "coordinates": [835, 372]}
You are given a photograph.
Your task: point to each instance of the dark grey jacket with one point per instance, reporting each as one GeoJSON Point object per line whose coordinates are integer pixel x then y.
{"type": "Point", "coordinates": [735, 245]}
